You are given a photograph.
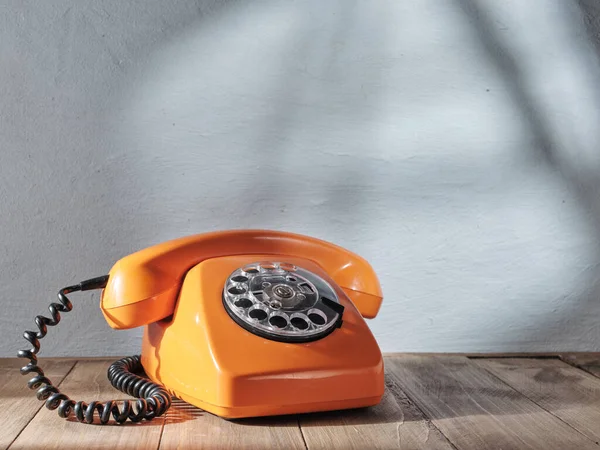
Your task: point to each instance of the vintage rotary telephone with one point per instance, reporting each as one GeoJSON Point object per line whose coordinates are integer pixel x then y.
{"type": "Point", "coordinates": [238, 323]}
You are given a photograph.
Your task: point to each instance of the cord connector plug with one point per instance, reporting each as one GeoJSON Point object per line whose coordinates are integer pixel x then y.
{"type": "Point", "coordinates": [94, 283]}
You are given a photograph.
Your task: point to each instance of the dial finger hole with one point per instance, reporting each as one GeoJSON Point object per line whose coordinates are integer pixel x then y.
{"type": "Point", "coordinates": [239, 279]}
{"type": "Point", "coordinates": [258, 314]}
{"type": "Point", "coordinates": [278, 321]}
{"type": "Point", "coordinates": [317, 317]}
{"type": "Point", "coordinates": [236, 290]}
{"type": "Point", "coordinates": [287, 267]}
{"type": "Point", "coordinates": [243, 303]}
{"type": "Point", "coordinates": [299, 321]}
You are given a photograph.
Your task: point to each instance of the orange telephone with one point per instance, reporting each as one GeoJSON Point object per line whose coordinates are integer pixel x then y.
{"type": "Point", "coordinates": [238, 323]}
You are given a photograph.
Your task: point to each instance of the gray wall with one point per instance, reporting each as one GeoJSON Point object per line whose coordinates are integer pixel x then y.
{"type": "Point", "coordinates": [454, 144]}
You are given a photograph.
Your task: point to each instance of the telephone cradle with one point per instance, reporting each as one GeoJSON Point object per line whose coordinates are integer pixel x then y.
{"type": "Point", "coordinates": [240, 323]}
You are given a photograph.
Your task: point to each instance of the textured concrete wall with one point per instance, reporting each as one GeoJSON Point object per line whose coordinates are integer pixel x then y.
{"type": "Point", "coordinates": [454, 144]}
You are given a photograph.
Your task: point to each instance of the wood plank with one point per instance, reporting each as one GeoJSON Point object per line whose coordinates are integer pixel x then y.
{"type": "Point", "coordinates": [567, 392]}
{"type": "Point", "coordinates": [480, 354]}
{"type": "Point", "coordinates": [18, 404]}
{"type": "Point", "coordinates": [475, 410]}
{"type": "Point", "coordinates": [190, 427]}
{"type": "Point", "coordinates": [87, 381]}
{"type": "Point", "coordinates": [395, 423]}
{"type": "Point", "coordinates": [590, 362]}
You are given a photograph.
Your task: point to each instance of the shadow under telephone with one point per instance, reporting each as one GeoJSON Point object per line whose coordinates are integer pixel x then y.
{"type": "Point", "coordinates": [238, 323]}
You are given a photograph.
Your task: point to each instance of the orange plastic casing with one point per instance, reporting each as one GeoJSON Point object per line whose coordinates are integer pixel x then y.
{"type": "Point", "coordinates": [201, 355]}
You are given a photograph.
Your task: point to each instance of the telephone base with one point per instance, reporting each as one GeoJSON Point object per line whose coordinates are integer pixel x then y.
{"type": "Point", "coordinates": [240, 412]}
{"type": "Point", "coordinates": [207, 359]}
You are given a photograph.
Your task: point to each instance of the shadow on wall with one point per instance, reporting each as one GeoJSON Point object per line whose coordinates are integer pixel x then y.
{"type": "Point", "coordinates": [582, 179]}
{"type": "Point", "coordinates": [250, 134]}
{"type": "Point", "coordinates": [326, 49]}
{"type": "Point", "coordinates": [293, 142]}
{"type": "Point", "coordinates": [62, 218]}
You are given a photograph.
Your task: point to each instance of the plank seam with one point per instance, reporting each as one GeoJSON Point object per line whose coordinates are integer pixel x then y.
{"type": "Point", "coordinates": [41, 406]}
{"type": "Point", "coordinates": [162, 429]}
{"type": "Point", "coordinates": [302, 434]}
{"type": "Point", "coordinates": [578, 366]}
{"type": "Point", "coordinates": [428, 421]}
{"type": "Point", "coordinates": [537, 404]}
{"type": "Point", "coordinates": [509, 356]}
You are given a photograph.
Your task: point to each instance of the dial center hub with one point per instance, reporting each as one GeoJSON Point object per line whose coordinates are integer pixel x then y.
{"type": "Point", "coordinates": [283, 292]}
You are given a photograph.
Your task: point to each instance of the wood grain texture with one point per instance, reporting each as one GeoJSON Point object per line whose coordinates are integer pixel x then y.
{"type": "Point", "coordinates": [18, 404]}
{"type": "Point", "coordinates": [395, 423]}
{"type": "Point", "coordinates": [189, 427]}
{"type": "Point", "coordinates": [431, 402]}
{"type": "Point", "coordinates": [87, 381]}
{"type": "Point", "coordinates": [475, 410]}
{"type": "Point", "coordinates": [590, 362]}
{"type": "Point", "coordinates": [566, 392]}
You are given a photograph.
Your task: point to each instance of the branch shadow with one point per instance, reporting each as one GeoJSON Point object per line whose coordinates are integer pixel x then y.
{"type": "Point", "coordinates": [326, 81]}
{"type": "Point", "coordinates": [584, 183]}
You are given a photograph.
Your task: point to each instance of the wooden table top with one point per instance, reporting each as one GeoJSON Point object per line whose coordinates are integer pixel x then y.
{"type": "Point", "coordinates": [431, 402]}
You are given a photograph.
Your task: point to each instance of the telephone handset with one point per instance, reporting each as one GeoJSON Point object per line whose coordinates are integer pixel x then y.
{"type": "Point", "coordinates": [238, 323]}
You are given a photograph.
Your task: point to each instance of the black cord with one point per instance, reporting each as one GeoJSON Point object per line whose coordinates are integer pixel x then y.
{"type": "Point", "coordinates": [153, 399]}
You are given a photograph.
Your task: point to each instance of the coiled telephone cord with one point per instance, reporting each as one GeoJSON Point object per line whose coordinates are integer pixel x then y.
{"type": "Point", "coordinates": [152, 399]}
